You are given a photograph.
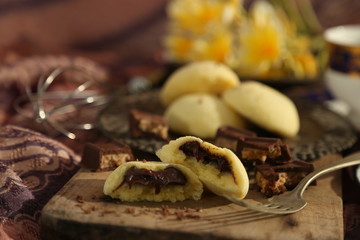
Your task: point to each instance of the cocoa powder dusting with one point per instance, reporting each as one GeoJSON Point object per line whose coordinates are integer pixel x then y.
{"type": "Point", "coordinates": [165, 212]}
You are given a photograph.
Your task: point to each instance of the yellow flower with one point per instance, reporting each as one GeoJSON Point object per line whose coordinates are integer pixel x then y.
{"type": "Point", "coordinates": [198, 16]}
{"type": "Point", "coordinates": [260, 46]}
{"type": "Point", "coordinates": [299, 61]}
{"type": "Point", "coordinates": [216, 47]}
{"type": "Point", "coordinates": [264, 42]}
{"type": "Point", "coordinates": [179, 48]}
{"type": "Point", "coordinates": [305, 66]}
{"type": "Point", "coordinates": [261, 40]}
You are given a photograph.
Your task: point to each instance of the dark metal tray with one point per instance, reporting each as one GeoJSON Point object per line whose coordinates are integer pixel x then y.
{"type": "Point", "coordinates": [322, 131]}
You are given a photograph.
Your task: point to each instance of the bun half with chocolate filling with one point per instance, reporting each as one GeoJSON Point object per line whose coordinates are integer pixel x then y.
{"type": "Point", "coordinates": [219, 169]}
{"type": "Point", "coordinates": [153, 181]}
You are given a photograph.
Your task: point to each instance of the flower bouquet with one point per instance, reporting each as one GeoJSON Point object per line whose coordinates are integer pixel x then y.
{"type": "Point", "coordinates": [270, 40]}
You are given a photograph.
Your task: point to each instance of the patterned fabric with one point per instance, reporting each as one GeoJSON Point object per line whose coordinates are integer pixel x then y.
{"type": "Point", "coordinates": [33, 168]}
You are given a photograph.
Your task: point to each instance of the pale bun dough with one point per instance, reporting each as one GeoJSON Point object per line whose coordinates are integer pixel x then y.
{"type": "Point", "coordinates": [191, 190]}
{"type": "Point", "coordinates": [233, 184]}
{"type": "Point", "coordinates": [264, 106]}
{"type": "Point", "coordinates": [204, 76]}
{"type": "Point", "coordinates": [200, 115]}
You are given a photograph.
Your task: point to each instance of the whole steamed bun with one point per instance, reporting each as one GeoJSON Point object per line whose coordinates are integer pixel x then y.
{"type": "Point", "coordinates": [200, 114]}
{"type": "Point", "coordinates": [203, 76]}
{"type": "Point", "coordinates": [264, 106]}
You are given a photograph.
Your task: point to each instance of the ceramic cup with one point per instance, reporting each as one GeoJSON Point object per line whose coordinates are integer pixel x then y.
{"type": "Point", "coordinates": [343, 72]}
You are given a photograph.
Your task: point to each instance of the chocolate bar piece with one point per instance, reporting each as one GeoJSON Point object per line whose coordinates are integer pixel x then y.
{"type": "Point", "coordinates": [285, 155]}
{"type": "Point", "coordinates": [259, 148]}
{"type": "Point", "coordinates": [105, 156]}
{"type": "Point", "coordinates": [228, 137]}
{"type": "Point", "coordinates": [276, 179]}
{"type": "Point", "coordinates": [147, 125]}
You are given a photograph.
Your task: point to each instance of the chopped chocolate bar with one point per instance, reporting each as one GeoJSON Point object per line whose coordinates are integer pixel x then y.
{"type": "Point", "coordinates": [105, 156]}
{"type": "Point", "coordinates": [147, 125]}
{"type": "Point", "coordinates": [284, 157]}
{"type": "Point", "coordinates": [259, 148]}
{"type": "Point", "coordinates": [276, 179]}
{"type": "Point", "coordinates": [228, 137]}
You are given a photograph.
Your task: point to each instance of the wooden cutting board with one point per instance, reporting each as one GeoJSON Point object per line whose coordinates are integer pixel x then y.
{"type": "Point", "coordinates": [81, 211]}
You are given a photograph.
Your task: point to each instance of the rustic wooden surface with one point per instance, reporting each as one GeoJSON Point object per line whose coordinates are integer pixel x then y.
{"type": "Point", "coordinates": [81, 211]}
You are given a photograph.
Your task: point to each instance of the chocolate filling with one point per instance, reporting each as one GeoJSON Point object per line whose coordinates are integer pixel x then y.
{"type": "Point", "coordinates": [193, 149]}
{"type": "Point", "coordinates": [157, 179]}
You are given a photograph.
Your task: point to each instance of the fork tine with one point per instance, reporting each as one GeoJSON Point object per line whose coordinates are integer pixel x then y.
{"type": "Point", "coordinates": [261, 208]}
{"type": "Point", "coordinates": [292, 201]}
{"type": "Point", "coordinates": [270, 204]}
{"type": "Point", "coordinates": [273, 206]}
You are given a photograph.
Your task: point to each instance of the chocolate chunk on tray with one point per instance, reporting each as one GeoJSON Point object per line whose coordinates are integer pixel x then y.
{"type": "Point", "coordinates": [276, 179]}
{"type": "Point", "coordinates": [285, 155]}
{"type": "Point", "coordinates": [228, 137]}
{"type": "Point", "coordinates": [147, 125]}
{"type": "Point", "coordinates": [105, 156]}
{"type": "Point", "coordinates": [259, 148]}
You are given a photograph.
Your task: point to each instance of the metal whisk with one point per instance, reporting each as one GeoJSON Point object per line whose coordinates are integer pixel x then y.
{"type": "Point", "coordinates": [69, 101]}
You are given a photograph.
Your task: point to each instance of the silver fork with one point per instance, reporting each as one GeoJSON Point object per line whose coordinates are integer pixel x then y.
{"type": "Point", "coordinates": [292, 201]}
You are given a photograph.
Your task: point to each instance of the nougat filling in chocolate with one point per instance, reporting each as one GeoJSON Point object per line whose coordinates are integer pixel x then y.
{"type": "Point", "coordinates": [157, 179]}
{"type": "Point", "coordinates": [105, 156]}
{"type": "Point", "coordinates": [259, 148]}
{"type": "Point", "coordinates": [193, 149]}
{"type": "Point", "coordinates": [147, 125]}
{"type": "Point", "coordinates": [276, 179]}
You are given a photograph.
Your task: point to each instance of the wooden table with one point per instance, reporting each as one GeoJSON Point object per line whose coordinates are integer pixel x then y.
{"type": "Point", "coordinates": [81, 211]}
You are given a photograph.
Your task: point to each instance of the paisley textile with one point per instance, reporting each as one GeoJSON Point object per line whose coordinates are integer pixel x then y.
{"type": "Point", "coordinates": [33, 168]}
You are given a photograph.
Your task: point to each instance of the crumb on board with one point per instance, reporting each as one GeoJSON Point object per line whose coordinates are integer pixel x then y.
{"type": "Point", "coordinates": [85, 210]}
{"type": "Point", "coordinates": [79, 199]}
{"type": "Point", "coordinates": [106, 212]}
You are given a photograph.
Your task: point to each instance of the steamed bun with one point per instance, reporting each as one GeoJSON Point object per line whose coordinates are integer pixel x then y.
{"type": "Point", "coordinates": [198, 77]}
{"type": "Point", "coordinates": [200, 115]}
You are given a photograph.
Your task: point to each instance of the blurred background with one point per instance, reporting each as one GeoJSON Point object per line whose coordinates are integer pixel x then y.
{"type": "Point", "coordinates": [110, 29]}
{"type": "Point", "coordinates": [125, 36]}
